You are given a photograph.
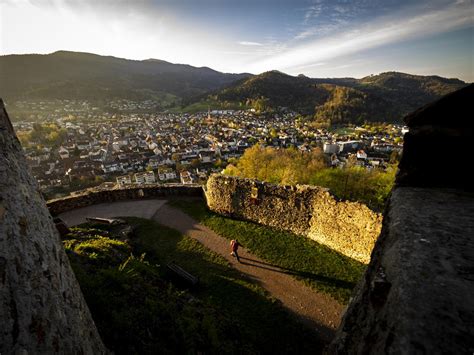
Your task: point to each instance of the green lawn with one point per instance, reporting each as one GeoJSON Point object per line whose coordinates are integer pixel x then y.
{"type": "Point", "coordinates": [317, 265]}
{"type": "Point", "coordinates": [138, 310]}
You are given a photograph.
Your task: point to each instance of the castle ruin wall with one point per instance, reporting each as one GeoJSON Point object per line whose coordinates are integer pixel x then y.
{"type": "Point", "coordinates": [350, 228]}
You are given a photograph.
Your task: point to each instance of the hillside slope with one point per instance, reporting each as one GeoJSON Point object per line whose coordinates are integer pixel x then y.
{"type": "Point", "coordinates": [72, 75]}
{"type": "Point", "coordinates": [384, 97]}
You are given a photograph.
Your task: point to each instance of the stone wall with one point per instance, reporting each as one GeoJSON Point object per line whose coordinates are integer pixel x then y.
{"type": "Point", "coordinates": [94, 196]}
{"type": "Point", "coordinates": [347, 227]}
{"type": "Point", "coordinates": [416, 295]}
{"type": "Point", "coordinates": [42, 310]}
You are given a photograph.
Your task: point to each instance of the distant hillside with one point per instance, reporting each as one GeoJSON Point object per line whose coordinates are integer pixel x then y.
{"type": "Point", "coordinates": [384, 97]}
{"type": "Point", "coordinates": [72, 75]}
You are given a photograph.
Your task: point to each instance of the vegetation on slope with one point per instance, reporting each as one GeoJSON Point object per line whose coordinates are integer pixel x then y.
{"type": "Point", "coordinates": [274, 89]}
{"type": "Point", "coordinates": [316, 265]}
{"type": "Point", "coordinates": [73, 75]}
{"type": "Point", "coordinates": [386, 97]}
{"type": "Point", "coordinates": [290, 167]}
{"type": "Point", "coordinates": [138, 311]}
{"type": "Point", "coordinates": [48, 134]}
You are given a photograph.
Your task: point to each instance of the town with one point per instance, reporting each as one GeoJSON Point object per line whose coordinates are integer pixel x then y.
{"type": "Point", "coordinates": [134, 144]}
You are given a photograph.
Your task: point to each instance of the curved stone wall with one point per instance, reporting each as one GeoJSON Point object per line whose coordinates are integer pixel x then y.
{"type": "Point", "coordinates": [347, 227]}
{"type": "Point", "coordinates": [100, 195]}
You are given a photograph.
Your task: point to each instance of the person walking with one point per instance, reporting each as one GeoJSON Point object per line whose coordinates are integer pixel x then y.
{"type": "Point", "coordinates": [234, 246]}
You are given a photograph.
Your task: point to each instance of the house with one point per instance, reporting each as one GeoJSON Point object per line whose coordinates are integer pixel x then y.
{"type": "Point", "coordinates": [349, 146]}
{"type": "Point", "coordinates": [185, 177]}
{"type": "Point", "coordinates": [83, 145]}
{"type": "Point", "coordinates": [124, 180]}
{"type": "Point", "coordinates": [330, 148]}
{"type": "Point", "coordinates": [147, 177]}
{"type": "Point", "coordinates": [361, 154]}
{"type": "Point", "coordinates": [205, 158]}
{"type": "Point", "coordinates": [63, 153]}
{"type": "Point", "coordinates": [111, 167]}
{"type": "Point", "coordinates": [165, 174]}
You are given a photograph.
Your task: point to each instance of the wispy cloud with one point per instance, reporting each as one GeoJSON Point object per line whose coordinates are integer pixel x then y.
{"type": "Point", "coordinates": [313, 12]}
{"type": "Point", "coordinates": [246, 43]}
{"type": "Point", "coordinates": [375, 34]}
{"type": "Point", "coordinates": [321, 30]}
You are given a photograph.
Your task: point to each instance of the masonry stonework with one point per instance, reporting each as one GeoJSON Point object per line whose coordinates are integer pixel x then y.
{"type": "Point", "coordinates": [42, 310]}
{"type": "Point", "coordinates": [347, 227]}
{"type": "Point", "coordinates": [416, 294]}
{"type": "Point", "coordinates": [95, 196]}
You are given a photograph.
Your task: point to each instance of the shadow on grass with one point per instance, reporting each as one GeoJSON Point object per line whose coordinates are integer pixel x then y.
{"type": "Point", "coordinates": [315, 264]}
{"type": "Point", "coordinates": [262, 325]}
{"type": "Point", "coordinates": [301, 274]}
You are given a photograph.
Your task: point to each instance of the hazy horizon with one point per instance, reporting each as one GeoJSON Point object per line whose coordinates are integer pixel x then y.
{"type": "Point", "coordinates": [205, 66]}
{"type": "Point", "coordinates": [319, 38]}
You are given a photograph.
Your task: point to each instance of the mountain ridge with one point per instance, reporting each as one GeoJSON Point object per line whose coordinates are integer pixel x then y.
{"type": "Point", "coordinates": [387, 96]}
{"type": "Point", "coordinates": [53, 75]}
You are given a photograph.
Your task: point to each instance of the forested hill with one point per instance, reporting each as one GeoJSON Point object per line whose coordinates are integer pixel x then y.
{"type": "Point", "coordinates": [73, 75]}
{"type": "Point", "coordinates": [384, 97]}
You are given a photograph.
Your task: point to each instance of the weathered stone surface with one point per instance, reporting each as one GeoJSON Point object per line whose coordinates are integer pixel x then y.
{"type": "Point", "coordinates": [453, 111]}
{"type": "Point", "coordinates": [95, 196]}
{"type": "Point", "coordinates": [416, 296]}
{"type": "Point", "coordinates": [42, 309]}
{"type": "Point", "coordinates": [348, 227]}
{"type": "Point", "coordinates": [439, 143]}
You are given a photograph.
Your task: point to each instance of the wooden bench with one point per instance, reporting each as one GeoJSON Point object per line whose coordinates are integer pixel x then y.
{"type": "Point", "coordinates": [182, 275]}
{"type": "Point", "coordinates": [112, 221]}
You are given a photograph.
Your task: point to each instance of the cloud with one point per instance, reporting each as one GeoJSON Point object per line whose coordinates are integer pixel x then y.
{"type": "Point", "coordinates": [321, 30]}
{"type": "Point", "coordinates": [246, 43]}
{"type": "Point", "coordinates": [312, 12]}
{"type": "Point", "coordinates": [380, 32]}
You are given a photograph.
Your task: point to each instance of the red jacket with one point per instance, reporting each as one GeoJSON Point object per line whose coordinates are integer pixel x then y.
{"type": "Point", "coordinates": [234, 245]}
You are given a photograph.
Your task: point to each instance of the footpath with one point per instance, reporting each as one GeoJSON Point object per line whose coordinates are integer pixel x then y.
{"type": "Point", "coordinates": [318, 311]}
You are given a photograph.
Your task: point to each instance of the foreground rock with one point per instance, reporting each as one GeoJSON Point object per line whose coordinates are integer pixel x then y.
{"type": "Point", "coordinates": [42, 310]}
{"type": "Point", "coordinates": [416, 296]}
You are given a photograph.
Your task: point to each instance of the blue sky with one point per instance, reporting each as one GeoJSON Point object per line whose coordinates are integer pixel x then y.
{"type": "Point", "coordinates": [319, 38]}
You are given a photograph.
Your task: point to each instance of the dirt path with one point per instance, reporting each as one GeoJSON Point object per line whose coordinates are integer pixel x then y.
{"type": "Point", "coordinates": [318, 311]}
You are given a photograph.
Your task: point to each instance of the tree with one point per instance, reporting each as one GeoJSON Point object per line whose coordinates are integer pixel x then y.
{"type": "Point", "coordinates": [394, 157]}
{"type": "Point", "coordinates": [176, 157]}
{"type": "Point", "coordinates": [290, 166]}
{"type": "Point", "coordinates": [195, 163]}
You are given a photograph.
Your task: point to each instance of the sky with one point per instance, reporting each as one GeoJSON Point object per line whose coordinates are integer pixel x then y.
{"type": "Point", "coordinates": [317, 38]}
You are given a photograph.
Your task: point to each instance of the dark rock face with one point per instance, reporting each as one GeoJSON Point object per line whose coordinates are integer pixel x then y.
{"type": "Point", "coordinates": [42, 310]}
{"type": "Point", "coordinates": [416, 294]}
{"type": "Point", "coordinates": [437, 150]}
{"type": "Point", "coordinates": [454, 111]}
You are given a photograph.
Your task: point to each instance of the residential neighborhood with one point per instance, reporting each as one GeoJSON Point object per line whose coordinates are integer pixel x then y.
{"type": "Point", "coordinates": [147, 148]}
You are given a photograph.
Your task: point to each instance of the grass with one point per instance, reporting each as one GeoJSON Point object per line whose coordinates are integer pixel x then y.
{"type": "Point", "coordinates": [138, 310]}
{"type": "Point", "coordinates": [317, 265]}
